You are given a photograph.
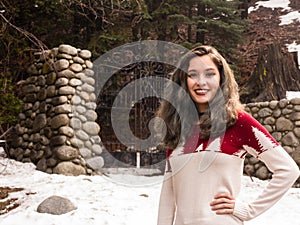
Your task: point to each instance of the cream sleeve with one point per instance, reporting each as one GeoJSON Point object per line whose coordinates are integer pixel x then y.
{"type": "Point", "coordinates": [285, 173]}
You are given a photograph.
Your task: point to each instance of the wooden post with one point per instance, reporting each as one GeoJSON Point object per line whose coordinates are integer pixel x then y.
{"type": "Point", "coordinates": [138, 160]}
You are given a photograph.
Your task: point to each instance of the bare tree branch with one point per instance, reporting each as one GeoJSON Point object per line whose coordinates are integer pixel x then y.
{"type": "Point", "coordinates": [31, 37]}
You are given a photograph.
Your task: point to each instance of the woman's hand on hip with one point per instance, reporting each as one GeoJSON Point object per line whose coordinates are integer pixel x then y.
{"type": "Point", "coordinates": [223, 203]}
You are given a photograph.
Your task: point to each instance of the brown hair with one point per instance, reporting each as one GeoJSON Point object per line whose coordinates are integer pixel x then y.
{"type": "Point", "coordinates": [177, 115]}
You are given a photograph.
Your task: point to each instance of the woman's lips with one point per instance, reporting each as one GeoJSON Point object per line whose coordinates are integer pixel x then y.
{"type": "Point", "coordinates": [201, 91]}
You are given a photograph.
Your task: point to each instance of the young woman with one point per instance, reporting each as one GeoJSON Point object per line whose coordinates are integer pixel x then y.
{"type": "Point", "coordinates": [206, 152]}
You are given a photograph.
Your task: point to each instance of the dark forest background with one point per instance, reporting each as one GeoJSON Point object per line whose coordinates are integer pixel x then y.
{"type": "Point", "coordinates": [101, 25]}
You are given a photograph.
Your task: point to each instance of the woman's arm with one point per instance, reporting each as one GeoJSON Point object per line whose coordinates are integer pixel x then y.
{"type": "Point", "coordinates": [285, 173]}
{"type": "Point", "coordinates": [258, 142]}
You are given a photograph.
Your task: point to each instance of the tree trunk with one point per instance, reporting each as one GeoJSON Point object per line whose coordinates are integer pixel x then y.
{"type": "Point", "coordinates": [244, 5]}
{"type": "Point", "coordinates": [189, 29]}
{"type": "Point", "coordinates": [200, 35]}
{"type": "Point", "coordinates": [275, 73]}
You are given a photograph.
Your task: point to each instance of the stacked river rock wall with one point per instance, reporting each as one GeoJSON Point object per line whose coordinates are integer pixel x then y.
{"type": "Point", "coordinates": [282, 120]}
{"type": "Point", "coordinates": [57, 129]}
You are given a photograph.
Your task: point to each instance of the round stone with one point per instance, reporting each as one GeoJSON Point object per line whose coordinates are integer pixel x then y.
{"type": "Point", "coordinates": [97, 149]}
{"type": "Point", "coordinates": [62, 81]}
{"type": "Point", "coordinates": [58, 140]}
{"type": "Point", "coordinates": [69, 168]}
{"type": "Point", "coordinates": [64, 56]}
{"type": "Point", "coordinates": [85, 153]}
{"type": "Point", "coordinates": [61, 64]}
{"type": "Point", "coordinates": [76, 100]}
{"type": "Point", "coordinates": [39, 122]}
{"type": "Point", "coordinates": [88, 64]}
{"type": "Point", "coordinates": [59, 120]}
{"type": "Point", "coordinates": [290, 140]}
{"type": "Point", "coordinates": [273, 104]}
{"type": "Point", "coordinates": [75, 82]}
{"type": "Point", "coordinates": [75, 123]}
{"type": "Point", "coordinates": [91, 128]}
{"type": "Point", "coordinates": [66, 130]}
{"type": "Point", "coordinates": [85, 54]}
{"type": "Point", "coordinates": [65, 108]}
{"type": "Point", "coordinates": [82, 135]}
{"type": "Point", "coordinates": [79, 60]}
{"type": "Point", "coordinates": [59, 100]}
{"type": "Point", "coordinates": [269, 121]}
{"type": "Point", "coordinates": [95, 163]}
{"type": "Point", "coordinates": [66, 152]}
{"type": "Point", "coordinates": [80, 109]}
{"type": "Point", "coordinates": [89, 72]}
{"type": "Point", "coordinates": [66, 73]}
{"type": "Point", "coordinates": [262, 173]}
{"type": "Point", "coordinates": [68, 49]}
{"type": "Point", "coordinates": [91, 115]}
{"type": "Point", "coordinates": [88, 80]}
{"type": "Point", "coordinates": [76, 67]}
{"type": "Point", "coordinates": [297, 132]}
{"type": "Point", "coordinates": [265, 112]}
{"type": "Point", "coordinates": [66, 90]}
{"type": "Point", "coordinates": [88, 88]}
{"type": "Point", "coordinates": [283, 124]}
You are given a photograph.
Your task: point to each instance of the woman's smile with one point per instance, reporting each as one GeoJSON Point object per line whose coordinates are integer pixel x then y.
{"type": "Point", "coordinates": [201, 92]}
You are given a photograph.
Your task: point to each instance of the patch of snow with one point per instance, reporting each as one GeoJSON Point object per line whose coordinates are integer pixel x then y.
{"type": "Point", "coordinates": [289, 18]}
{"type": "Point", "coordinates": [292, 94]}
{"type": "Point", "coordinates": [294, 47]}
{"type": "Point", "coordinates": [284, 4]}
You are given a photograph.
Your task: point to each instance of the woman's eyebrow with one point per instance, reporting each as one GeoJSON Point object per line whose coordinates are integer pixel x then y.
{"type": "Point", "coordinates": [207, 69]}
{"type": "Point", "coordinates": [211, 68]}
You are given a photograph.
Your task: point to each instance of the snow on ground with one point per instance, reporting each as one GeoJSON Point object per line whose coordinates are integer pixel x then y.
{"type": "Point", "coordinates": [284, 4]}
{"type": "Point", "coordinates": [113, 199]}
{"type": "Point", "coordinates": [294, 47]}
{"type": "Point", "coordinates": [292, 94]}
{"type": "Point", "coordinates": [289, 18]}
{"type": "Point", "coordinates": [286, 19]}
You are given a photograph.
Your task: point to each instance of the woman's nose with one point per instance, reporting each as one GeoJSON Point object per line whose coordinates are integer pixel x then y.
{"type": "Point", "coordinates": [200, 79]}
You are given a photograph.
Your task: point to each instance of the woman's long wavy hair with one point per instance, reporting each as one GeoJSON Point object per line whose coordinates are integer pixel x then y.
{"type": "Point", "coordinates": [221, 114]}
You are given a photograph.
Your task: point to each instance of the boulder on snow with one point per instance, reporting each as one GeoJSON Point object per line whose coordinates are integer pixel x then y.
{"type": "Point", "coordinates": [56, 205]}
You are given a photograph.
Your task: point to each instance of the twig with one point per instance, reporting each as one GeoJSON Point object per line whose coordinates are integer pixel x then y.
{"type": "Point", "coordinates": [27, 34]}
{"type": "Point", "coordinates": [3, 135]}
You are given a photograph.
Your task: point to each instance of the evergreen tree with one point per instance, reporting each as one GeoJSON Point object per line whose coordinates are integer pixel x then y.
{"type": "Point", "coordinates": [191, 22]}
{"type": "Point", "coordinates": [221, 24]}
{"type": "Point", "coordinates": [213, 22]}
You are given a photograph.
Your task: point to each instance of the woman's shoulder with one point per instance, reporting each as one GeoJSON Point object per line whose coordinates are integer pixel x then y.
{"type": "Point", "coordinates": [247, 121]}
{"type": "Point", "coordinates": [244, 116]}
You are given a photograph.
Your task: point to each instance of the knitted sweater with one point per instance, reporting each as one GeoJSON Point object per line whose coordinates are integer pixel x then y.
{"type": "Point", "coordinates": [198, 171]}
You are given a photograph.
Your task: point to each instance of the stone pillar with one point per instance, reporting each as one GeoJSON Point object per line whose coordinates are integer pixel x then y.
{"type": "Point", "coordinates": [57, 129]}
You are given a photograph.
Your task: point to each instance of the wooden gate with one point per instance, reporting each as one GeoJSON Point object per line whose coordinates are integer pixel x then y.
{"type": "Point", "coordinates": [140, 113]}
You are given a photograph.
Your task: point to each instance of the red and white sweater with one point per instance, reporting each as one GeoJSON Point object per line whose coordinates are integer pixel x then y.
{"type": "Point", "coordinates": [201, 169]}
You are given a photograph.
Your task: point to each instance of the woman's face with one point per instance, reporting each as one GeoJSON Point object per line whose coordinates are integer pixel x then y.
{"type": "Point", "coordinates": [203, 81]}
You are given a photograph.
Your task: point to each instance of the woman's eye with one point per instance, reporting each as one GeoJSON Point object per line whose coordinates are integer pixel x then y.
{"type": "Point", "coordinates": [210, 74]}
{"type": "Point", "coordinates": [192, 75]}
